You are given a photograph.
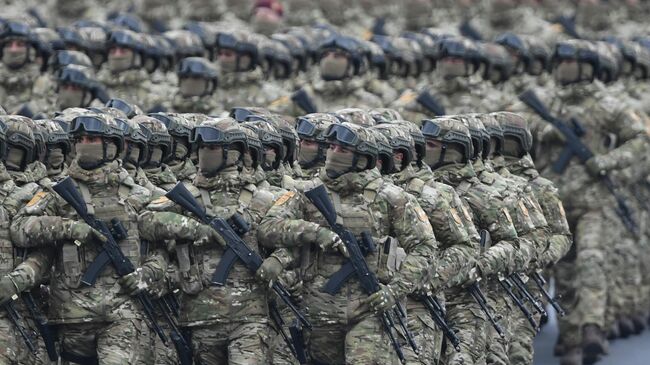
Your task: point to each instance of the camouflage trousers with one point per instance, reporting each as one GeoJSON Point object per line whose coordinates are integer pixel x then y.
{"type": "Point", "coordinates": [126, 341]}
{"type": "Point", "coordinates": [13, 349]}
{"type": "Point", "coordinates": [340, 337]}
{"type": "Point", "coordinates": [522, 333]}
{"type": "Point", "coordinates": [279, 352]}
{"type": "Point", "coordinates": [584, 286]}
{"type": "Point", "coordinates": [163, 355]}
{"type": "Point", "coordinates": [425, 333]}
{"type": "Point", "coordinates": [496, 346]}
{"type": "Point", "coordinates": [465, 317]}
{"type": "Point", "coordinates": [231, 343]}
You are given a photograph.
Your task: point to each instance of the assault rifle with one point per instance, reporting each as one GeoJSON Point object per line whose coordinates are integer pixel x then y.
{"type": "Point", "coordinates": [575, 148]}
{"type": "Point", "coordinates": [237, 249]}
{"type": "Point", "coordinates": [116, 231]}
{"type": "Point", "coordinates": [369, 283]}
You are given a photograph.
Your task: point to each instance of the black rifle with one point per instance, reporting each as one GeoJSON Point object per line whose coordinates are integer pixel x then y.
{"type": "Point", "coordinates": [41, 325]}
{"type": "Point", "coordinates": [430, 103]}
{"type": "Point", "coordinates": [304, 102]}
{"type": "Point", "coordinates": [237, 248]}
{"type": "Point", "coordinates": [276, 318]}
{"type": "Point", "coordinates": [298, 341]}
{"type": "Point", "coordinates": [507, 286]}
{"type": "Point", "coordinates": [467, 30]}
{"type": "Point", "coordinates": [438, 315]}
{"type": "Point", "coordinates": [575, 147]}
{"type": "Point", "coordinates": [479, 297]}
{"type": "Point", "coordinates": [181, 344]}
{"type": "Point", "coordinates": [123, 266]}
{"type": "Point", "coordinates": [521, 286]}
{"type": "Point", "coordinates": [15, 319]}
{"type": "Point", "coordinates": [568, 23]}
{"type": "Point", "coordinates": [367, 279]}
{"type": "Point", "coordinates": [541, 282]}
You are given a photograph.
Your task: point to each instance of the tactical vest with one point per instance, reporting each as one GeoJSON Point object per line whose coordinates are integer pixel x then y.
{"type": "Point", "coordinates": [242, 297]}
{"type": "Point", "coordinates": [359, 213]}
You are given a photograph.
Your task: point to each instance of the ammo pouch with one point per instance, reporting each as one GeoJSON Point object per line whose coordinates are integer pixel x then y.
{"type": "Point", "coordinates": [73, 263]}
{"type": "Point", "coordinates": [389, 258]}
{"type": "Point", "coordinates": [189, 272]}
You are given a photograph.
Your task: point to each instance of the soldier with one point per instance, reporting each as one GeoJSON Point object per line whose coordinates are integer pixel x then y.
{"type": "Point", "coordinates": [78, 88]}
{"type": "Point", "coordinates": [179, 128]}
{"type": "Point", "coordinates": [124, 74]}
{"type": "Point", "coordinates": [21, 73]}
{"type": "Point", "coordinates": [346, 328]}
{"type": "Point", "coordinates": [159, 149]}
{"type": "Point", "coordinates": [459, 248]}
{"type": "Point", "coordinates": [197, 82]}
{"type": "Point", "coordinates": [452, 155]}
{"type": "Point", "coordinates": [338, 85]}
{"type": "Point", "coordinates": [240, 63]}
{"type": "Point", "coordinates": [589, 205]}
{"type": "Point", "coordinates": [100, 321]}
{"type": "Point", "coordinates": [19, 269]}
{"type": "Point", "coordinates": [58, 148]}
{"type": "Point", "coordinates": [228, 323]}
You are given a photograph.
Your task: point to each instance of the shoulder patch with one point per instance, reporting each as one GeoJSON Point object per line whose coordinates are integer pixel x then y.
{"type": "Point", "coordinates": [160, 200]}
{"type": "Point", "coordinates": [281, 101]}
{"type": "Point", "coordinates": [37, 198]}
{"type": "Point", "coordinates": [421, 214]}
{"type": "Point", "coordinates": [454, 214]}
{"type": "Point", "coordinates": [468, 216]}
{"type": "Point", "coordinates": [284, 198]}
{"type": "Point", "coordinates": [508, 217]}
{"type": "Point", "coordinates": [407, 97]}
{"type": "Point", "coordinates": [523, 208]}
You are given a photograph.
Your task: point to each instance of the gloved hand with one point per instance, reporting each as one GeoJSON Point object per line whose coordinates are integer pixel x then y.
{"type": "Point", "coordinates": [292, 282]}
{"type": "Point", "coordinates": [206, 235]}
{"type": "Point", "coordinates": [269, 271]}
{"type": "Point", "coordinates": [137, 282]}
{"type": "Point", "coordinates": [82, 233]}
{"type": "Point", "coordinates": [7, 290]}
{"type": "Point", "coordinates": [597, 165]}
{"type": "Point", "coordinates": [328, 240]}
{"type": "Point", "coordinates": [473, 275]}
{"type": "Point", "coordinates": [382, 300]}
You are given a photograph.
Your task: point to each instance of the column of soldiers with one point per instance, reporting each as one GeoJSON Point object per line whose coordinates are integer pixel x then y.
{"type": "Point", "coordinates": [467, 150]}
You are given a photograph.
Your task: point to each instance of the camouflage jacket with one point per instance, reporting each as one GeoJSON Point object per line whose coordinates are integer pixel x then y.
{"type": "Point", "coordinates": [133, 86]}
{"type": "Point", "coordinates": [45, 221]}
{"type": "Point", "coordinates": [489, 211]}
{"type": "Point", "coordinates": [24, 86]}
{"type": "Point", "coordinates": [364, 202]}
{"type": "Point", "coordinates": [243, 297]}
{"type": "Point", "coordinates": [560, 239]}
{"type": "Point", "coordinates": [451, 222]}
{"type": "Point", "coordinates": [184, 171]}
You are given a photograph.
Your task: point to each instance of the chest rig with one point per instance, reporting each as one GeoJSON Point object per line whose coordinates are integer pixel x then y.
{"type": "Point", "coordinates": [197, 264]}
{"type": "Point", "coordinates": [106, 203]}
{"type": "Point", "coordinates": [360, 214]}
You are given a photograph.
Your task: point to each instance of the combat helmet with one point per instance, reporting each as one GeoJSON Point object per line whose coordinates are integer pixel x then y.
{"type": "Point", "coordinates": [103, 126]}
{"type": "Point", "coordinates": [312, 127]}
{"type": "Point", "coordinates": [452, 135]}
{"type": "Point", "coordinates": [357, 139]}
{"type": "Point", "coordinates": [515, 132]}
{"type": "Point", "coordinates": [160, 142]}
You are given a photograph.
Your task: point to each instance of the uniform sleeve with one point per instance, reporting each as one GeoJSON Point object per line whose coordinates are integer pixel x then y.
{"type": "Point", "coordinates": [458, 251]}
{"type": "Point", "coordinates": [34, 269]}
{"type": "Point", "coordinates": [410, 226]}
{"type": "Point", "coordinates": [628, 126]}
{"type": "Point", "coordinates": [39, 224]}
{"type": "Point", "coordinates": [560, 239]}
{"type": "Point", "coordinates": [284, 224]}
{"type": "Point", "coordinates": [162, 226]}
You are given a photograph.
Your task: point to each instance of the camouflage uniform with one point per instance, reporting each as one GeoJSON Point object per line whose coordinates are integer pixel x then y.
{"type": "Point", "coordinates": [23, 86]}
{"type": "Point", "coordinates": [19, 265]}
{"type": "Point", "coordinates": [345, 331]}
{"type": "Point", "coordinates": [228, 323]}
{"type": "Point", "coordinates": [459, 250]}
{"type": "Point", "coordinates": [131, 85]}
{"type": "Point", "coordinates": [100, 321]}
{"type": "Point", "coordinates": [589, 206]}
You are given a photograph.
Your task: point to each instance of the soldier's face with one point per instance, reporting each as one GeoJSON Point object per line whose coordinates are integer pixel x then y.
{"type": "Point", "coordinates": [334, 65]}
{"type": "Point", "coordinates": [14, 53]}
{"type": "Point", "coordinates": [227, 59]}
{"type": "Point", "coordinates": [451, 67]}
{"type": "Point", "coordinates": [70, 96]}
{"type": "Point", "coordinates": [120, 59]}
{"type": "Point", "coordinates": [192, 86]}
{"type": "Point", "coordinates": [308, 151]}
{"type": "Point", "coordinates": [567, 72]}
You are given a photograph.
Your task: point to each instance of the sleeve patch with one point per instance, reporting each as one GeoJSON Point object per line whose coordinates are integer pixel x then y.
{"type": "Point", "coordinates": [454, 213]}
{"type": "Point", "coordinates": [37, 198]}
{"type": "Point", "coordinates": [161, 200]}
{"type": "Point", "coordinates": [284, 198]}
